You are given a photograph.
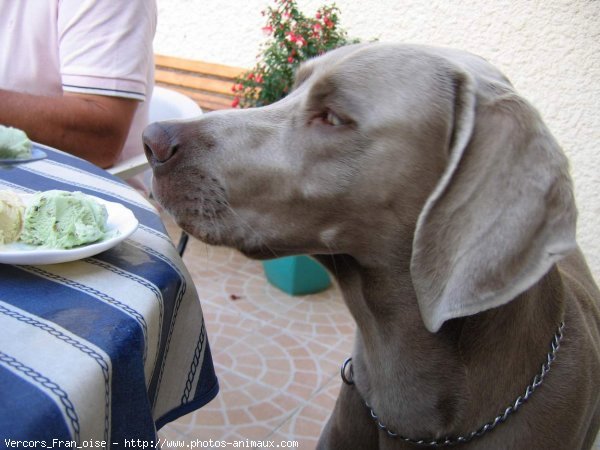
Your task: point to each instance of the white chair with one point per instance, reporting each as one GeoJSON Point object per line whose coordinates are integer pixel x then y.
{"type": "Point", "coordinates": [168, 104]}
{"type": "Point", "coordinates": [165, 104]}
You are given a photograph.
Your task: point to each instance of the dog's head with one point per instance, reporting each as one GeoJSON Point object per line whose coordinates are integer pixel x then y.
{"type": "Point", "coordinates": [381, 152]}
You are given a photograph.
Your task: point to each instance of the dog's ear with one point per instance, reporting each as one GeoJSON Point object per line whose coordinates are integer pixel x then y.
{"type": "Point", "coordinates": [501, 214]}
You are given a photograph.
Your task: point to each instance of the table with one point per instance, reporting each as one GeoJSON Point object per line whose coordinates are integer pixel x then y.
{"type": "Point", "coordinates": [103, 350]}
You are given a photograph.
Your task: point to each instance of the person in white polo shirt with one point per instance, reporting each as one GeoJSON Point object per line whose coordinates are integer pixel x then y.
{"type": "Point", "coordinates": [77, 74]}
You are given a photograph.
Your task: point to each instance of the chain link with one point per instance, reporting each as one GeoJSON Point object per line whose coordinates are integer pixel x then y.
{"type": "Point", "coordinates": [347, 376]}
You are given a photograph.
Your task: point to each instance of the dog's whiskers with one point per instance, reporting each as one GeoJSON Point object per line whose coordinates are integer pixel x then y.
{"type": "Point", "coordinates": [206, 252]}
{"type": "Point", "coordinates": [333, 253]}
{"type": "Point", "coordinates": [214, 223]}
{"type": "Point", "coordinates": [248, 227]}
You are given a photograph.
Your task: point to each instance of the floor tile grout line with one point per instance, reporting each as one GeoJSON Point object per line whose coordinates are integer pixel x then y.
{"type": "Point", "coordinates": [305, 403]}
{"type": "Point", "coordinates": [262, 384]}
{"type": "Point", "coordinates": [262, 323]}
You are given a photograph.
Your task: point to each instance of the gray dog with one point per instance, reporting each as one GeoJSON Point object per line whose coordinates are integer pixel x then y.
{"type": "Point", "coordinates": [443, 206]}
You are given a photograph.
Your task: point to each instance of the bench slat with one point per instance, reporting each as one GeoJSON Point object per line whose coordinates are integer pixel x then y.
{"type": "Point", "coordinates": [208, 102]}
{"type": "Point", "coordinates": [200, 67]}
{"type": "Point", "coordinates": [207, 84]}
{"type": "Point", "coordinates": [194, 82]}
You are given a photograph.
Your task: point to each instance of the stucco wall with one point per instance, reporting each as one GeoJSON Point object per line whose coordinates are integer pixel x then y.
{"type": "Point", "coordinates": [549, 49]}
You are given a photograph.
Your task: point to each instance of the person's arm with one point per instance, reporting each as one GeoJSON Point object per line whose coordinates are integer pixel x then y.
{"type": "Point", "coordinates": [93, 127]}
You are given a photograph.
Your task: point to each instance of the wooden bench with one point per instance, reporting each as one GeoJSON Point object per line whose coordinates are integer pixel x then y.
{"type": "Point", "coordinates": [207, 84]}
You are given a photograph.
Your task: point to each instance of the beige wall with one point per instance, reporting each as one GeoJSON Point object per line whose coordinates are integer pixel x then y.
{"type": "Point", "coordinates": [549, 49]}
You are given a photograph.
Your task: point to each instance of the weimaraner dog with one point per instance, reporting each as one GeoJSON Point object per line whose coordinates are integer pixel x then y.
{"type": "Point", "coordinates": [443, 206]}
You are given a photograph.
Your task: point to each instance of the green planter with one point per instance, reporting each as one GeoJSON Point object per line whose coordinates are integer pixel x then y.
{"type": "Point", "coordinates": [297, 275]}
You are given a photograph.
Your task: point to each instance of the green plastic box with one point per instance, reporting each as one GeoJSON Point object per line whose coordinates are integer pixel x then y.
{"type": "Point", "coordinates": [297, 275]}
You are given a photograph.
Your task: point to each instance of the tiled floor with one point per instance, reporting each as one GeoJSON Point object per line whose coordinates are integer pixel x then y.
{"type": "Point", "coordinates": [277, 356]}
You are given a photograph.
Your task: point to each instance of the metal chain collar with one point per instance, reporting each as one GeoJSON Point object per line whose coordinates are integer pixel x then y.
{"type": "Point", "coordinates": [347, 377]}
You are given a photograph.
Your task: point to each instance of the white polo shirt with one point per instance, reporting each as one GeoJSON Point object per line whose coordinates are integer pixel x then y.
{"type": "Point", "coordinates": [99, 47]}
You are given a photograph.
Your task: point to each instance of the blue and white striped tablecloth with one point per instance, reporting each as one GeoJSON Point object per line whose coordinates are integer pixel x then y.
{"type": "Point", "coordinates": [108, 348]}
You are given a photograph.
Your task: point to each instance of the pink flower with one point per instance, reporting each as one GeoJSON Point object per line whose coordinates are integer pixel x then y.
{"type": "Point", "coordinates": [258, 78]}
{"type": "Point", "coordinates": [295, 38]}
{"type": "Point", "coordinates": [235, 102]}
{"type": "Point", "coordinates": [318, 15]}
{"type": "Point", "coordinates": [250, 76]}
{"type": "Point", "coordinates": [290, 59]}
{"type": "Point", "coordinates": [267, 30]}
{"type": "Point", "coordinates": [317, 27]}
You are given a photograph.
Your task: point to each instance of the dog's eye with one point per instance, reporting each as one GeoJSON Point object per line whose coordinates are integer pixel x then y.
{"type": "Point", "coordinates": [333, 119]}
{"type": "Point", "coordinates": [330, 119]}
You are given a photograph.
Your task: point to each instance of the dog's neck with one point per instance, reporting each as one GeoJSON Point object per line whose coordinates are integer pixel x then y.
{"type": "Point", "coordinates": [430, 385]}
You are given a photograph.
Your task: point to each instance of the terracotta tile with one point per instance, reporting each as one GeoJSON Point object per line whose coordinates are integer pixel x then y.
{"type": "Point", "coordinates": [273, 350]}
{"type": "Point", "coordinates": [169, 433]}
{"type": "Point", "coordinates": [347, 329]}
{"type": "Point", "coordinates": [307, 427]}
{"type": "Point", "coordinates": [252, 357]}
{"type": "Point", "coordinates": [300, 391]}
{"type": "Point", "coordinates": [317, 348]}
{"type": "Point", "coordinates": [265, 411]}
{"type": "Point", "coordinates": [279, 364]}
{"type": "Point", "coordinates": [254, 372]}
{"type": "Point", "coordinates": [210, 418]}
{"type": "Point", "coordinates": [255, 432]}
{"type": "Point", "coordinates": [333, 366]}
{"type": "Point", "coordinates": [305, 364]}
{"type": "Point", "coordinates": [237, 416]}
{"type": "Point", "coordinates": [223, 359]}
{"type": "Point", "coordinates": [175, 429]}
{"type": "Point", "coordinates": [320, 319]}
{"type": "Point", "coordinates": [234, 398]}
{"type": "Point", "coordinates": [316, 413]}
{"type": "Point", "coordinates": [281, 323]}
{"type": "Point", "coordinates": [219, 341]}
{"type": "Point", "coordinates": [276, 379]}
{"type": "Point", "coordinates": [286, 340]}
{"type": "Point", "coordinates": [186, 420]}
{"type": "Point", "coordinates": [299, 352]}
{"type": "Point", "coordinates": [326, 330]}
{"type": "Point", "coordinates": [206, 433]}
{"type": "Point", "coordinates": [308, 379]}
{"type": "Point", "coordinates": [259, 391]}
{"type": "Point", "coordinates": [302, 328]}
{"type": "Point", "coordinates": [264, 315]}
{"type": "Point", "coordinates": [286, 402]}
{"type": "Point", "coordinates": [271, 329]}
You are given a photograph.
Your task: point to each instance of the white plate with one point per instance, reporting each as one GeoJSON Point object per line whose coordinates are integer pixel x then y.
{"type": "Point", "coordinates": [121, 224]}
{"type": "Point", "coordinates": [36, 154]}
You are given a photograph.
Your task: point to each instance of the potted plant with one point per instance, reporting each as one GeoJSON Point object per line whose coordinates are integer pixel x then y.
{"type": "Point", "coordinates": [293, 38]}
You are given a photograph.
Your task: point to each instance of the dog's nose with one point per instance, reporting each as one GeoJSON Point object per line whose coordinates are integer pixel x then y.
{"type": "Point", "coordinates": [159, 144]}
